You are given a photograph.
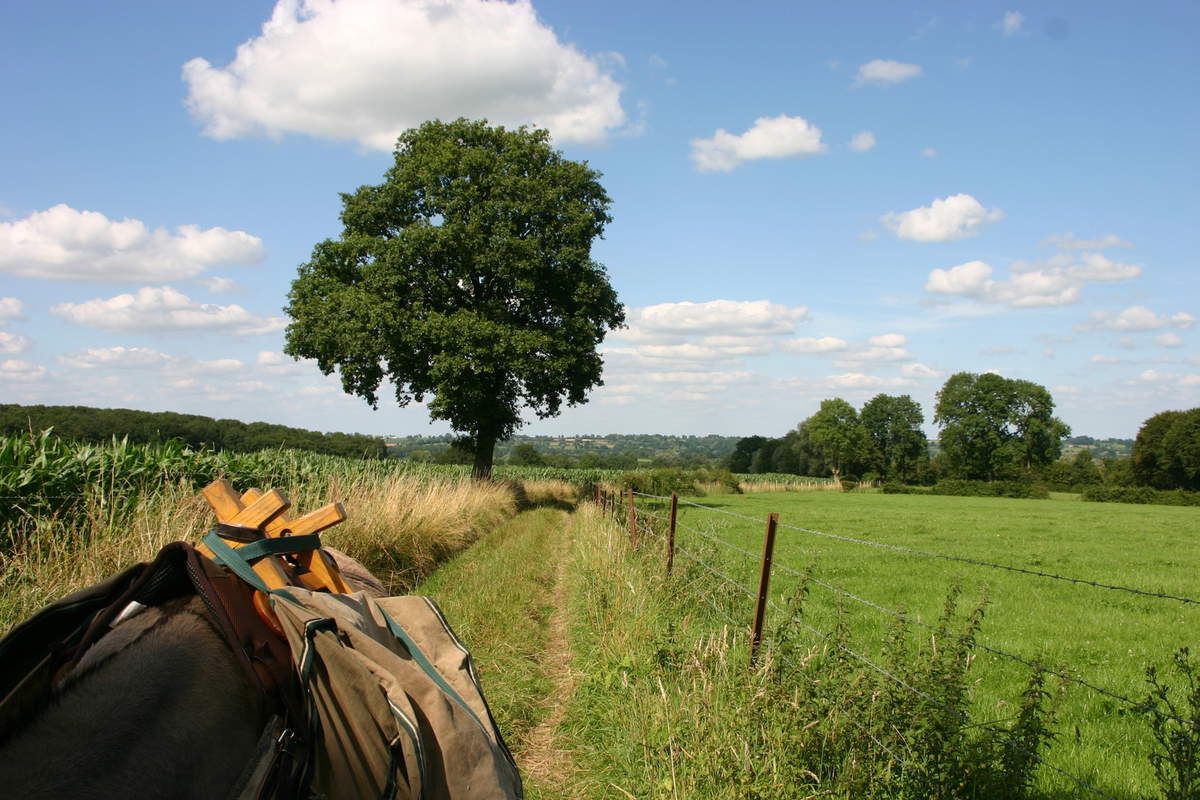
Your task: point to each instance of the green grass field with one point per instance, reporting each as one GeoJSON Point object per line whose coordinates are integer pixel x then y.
{"type": "Point", "coordinates": [1105, 637]}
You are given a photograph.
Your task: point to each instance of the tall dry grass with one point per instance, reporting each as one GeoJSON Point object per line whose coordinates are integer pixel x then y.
{"type": "Point", "coordinates": [59, 557]}
{"type": "Point", "coordinates": [550, 492]}
{"type": "Point", "coordinates": [400, 526]}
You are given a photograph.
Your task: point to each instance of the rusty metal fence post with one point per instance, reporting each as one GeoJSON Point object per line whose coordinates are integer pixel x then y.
{"type": "Point", "coordinates": [671, 532]}
{"type": "Point", "coordinates": [764, 579]}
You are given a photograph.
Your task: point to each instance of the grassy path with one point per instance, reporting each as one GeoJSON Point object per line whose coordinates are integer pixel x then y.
{"type": "Point", "coordinates": [547, 762]}
{"type": "Point", "coordinates": [505, 598]}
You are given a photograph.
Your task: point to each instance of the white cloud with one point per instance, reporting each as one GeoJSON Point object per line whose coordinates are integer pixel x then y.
{"type": "Point", "coordinates": [884, 72]}
{"type": "Point", "coordinates": [1136, 319]}
{"type": "Point", "coordinates": [733, 317]}
{"type": "Point", "coordinates": [1100, 268]}
{"type": "Point", "coordinates": [61, 243]}
{"type": "Point", "coordinates": [689, 351]}
{"type": "Point", "coordinates": [1169, 340]}
{"type": "Point", "coordinates": [954, 217]}
{"type": "Point", "coordinates": [10, 309]}
{"type": "Point", "coordinates": [929, 152]}
{"type": "Point", "coordinates": [856, 380]}
{"type": "Point", "coordinates": [862, 141]}
{"type": "Point", "coordinates": [918, 370]}
{"type": "Point", "coordinates": [769, 137]}
{"type": "Point", "coordinates": [11, 343]}
{"type": "Point", "coordinates": [1069, 241]}
{"type": "Point", "coordinates": [700, 378]}
{"type": "Point", "coordinates": [164, 309]}
{"type": "Point", "coordinates": [972, 279]}
{"type": "Point", "coordinates": [16, 371]}
{"type": "Point", "coordinates": [1037, 289]}
{"type": "Point", "coordinates": [889, 340]}
{"type": "Point", "coordinates": [1011, 24]}
{"type": "Point", "coordinates": [365, 70]}
{"type": "Point", "coordinates": [1100, 358]}
{"type": "Point", "coordinates": [875, 353]}
{"type": "Point", "coordinates": [218, 366]}
{"type": "Point", "coordinates": [218, 285]}
{"type": "Point", "coordinates": [860, 380]}
{"type": "Point", "coordinates": [825, 344]}
{"type": "Point", "coordinates": [116, 357]}
{"type": "Point", "coordinates": [1058, 282]}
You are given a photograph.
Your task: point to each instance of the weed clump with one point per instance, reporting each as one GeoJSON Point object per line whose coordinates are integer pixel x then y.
{"type": "Point", "coordinates": [1175, 724]}
{"type": "Point", "coordinates": [673, 711]}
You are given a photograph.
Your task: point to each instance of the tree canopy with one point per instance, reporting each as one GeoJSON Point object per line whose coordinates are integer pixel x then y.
{"type": "Point", "coordinates": [886, 439]}
{"type": "Point", "coordinates": [465, 277]}
{"type": "Point", "coordinates": [1166, 453]}
{"type": "Point", "coordinates": [99, 425]}
{"type": "Point", "coordinates": [898, 445]}
{"type": "Point", "coordinates": [836, 434]}
{"type": "Point", "coordinates": [995, 427]}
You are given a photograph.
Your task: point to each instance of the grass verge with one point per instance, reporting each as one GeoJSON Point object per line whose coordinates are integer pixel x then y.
{"type": "Point", "coordinates": [666, 706]}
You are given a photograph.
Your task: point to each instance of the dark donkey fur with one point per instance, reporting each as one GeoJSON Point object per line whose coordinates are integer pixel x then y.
{"type": "Point", "coordinates": [157, 708]}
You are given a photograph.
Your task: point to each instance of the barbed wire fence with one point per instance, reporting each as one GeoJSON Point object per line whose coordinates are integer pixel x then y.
{"type": "Point", "coordinates": [641, 522]}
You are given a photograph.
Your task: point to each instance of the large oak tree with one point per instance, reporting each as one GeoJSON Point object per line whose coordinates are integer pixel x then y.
{"type": "Point", "coordinates": [466, 277]}
{"type": "Point", "coordinates": [1166, 454]}
{"type": "Point", "coordinates": [995, 427]}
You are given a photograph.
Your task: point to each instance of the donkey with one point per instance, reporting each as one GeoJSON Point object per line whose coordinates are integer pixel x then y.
{"type": "Point", "coordinates": [157, 708]}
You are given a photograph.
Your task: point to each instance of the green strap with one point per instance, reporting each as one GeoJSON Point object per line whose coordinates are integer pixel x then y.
{"type": "Point", "coordinates": [428, 668]}
{"type": "Point", "coordinates": [224, 554]}
{"type": "Point", "coordinates": [279, 546]}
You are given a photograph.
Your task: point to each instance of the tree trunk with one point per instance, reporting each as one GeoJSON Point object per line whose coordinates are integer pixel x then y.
{"type": "Point", "coordinates": [485, 448]}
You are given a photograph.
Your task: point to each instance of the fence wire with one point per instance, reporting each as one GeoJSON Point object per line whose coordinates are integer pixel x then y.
{"type": "Point", "coordinates": [994, 735]}
{"type": "Point", "coordinates": [1065, 676]}
{"type": "Point", "coordinates": [912, 551]}
{"type": "Point", "coordinates": [714, 571]}
{"type": "Point", "coordinates": [884, 672]}
{"type": "Point", "coordinates": [1035, 665]}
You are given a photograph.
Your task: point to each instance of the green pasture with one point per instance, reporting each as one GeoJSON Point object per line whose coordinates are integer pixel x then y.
{"type": "Point", "coordinates": [1105, 637]}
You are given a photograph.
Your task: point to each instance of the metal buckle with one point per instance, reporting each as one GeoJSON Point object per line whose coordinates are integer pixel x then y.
{"type": "Point", "coordinates": [287, 738]}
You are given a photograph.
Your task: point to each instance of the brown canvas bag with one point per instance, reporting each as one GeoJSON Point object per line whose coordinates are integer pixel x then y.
{"type": "Point", "coordinates": [395, 708]}
{"type": "Point", "coordinates": [396, 702]}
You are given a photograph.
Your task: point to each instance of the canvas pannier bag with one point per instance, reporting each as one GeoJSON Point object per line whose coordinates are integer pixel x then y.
{"type": "Point", "coordinates": [395, 705]}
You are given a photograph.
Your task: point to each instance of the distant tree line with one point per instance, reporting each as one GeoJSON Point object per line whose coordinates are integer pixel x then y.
{"type": "Point", "coordinates": [991, 429]}
{"type": "Point", "coordinates": [85, 424]}
{"type": "Point", "coordinates": [589, 451]}
{"type": "Point", "coordinates": [884, 440]}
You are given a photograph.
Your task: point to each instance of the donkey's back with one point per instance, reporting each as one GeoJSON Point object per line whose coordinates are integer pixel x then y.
{"type": "Point", "coordinates": [158, 708]}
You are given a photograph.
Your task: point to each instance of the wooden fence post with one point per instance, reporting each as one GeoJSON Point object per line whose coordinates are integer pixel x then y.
{"type": "Point", "coordinates": [632, 519]}
{"type": "Point", "coordinates": [671, 532]}
{"type": "Point", "coordinates": [764, 578]}
{"type": "Point", "coordinates": [597, 492]}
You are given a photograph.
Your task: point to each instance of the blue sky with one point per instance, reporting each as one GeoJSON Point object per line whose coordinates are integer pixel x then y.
{"type": "Point", "coordinates": [809, 200]}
